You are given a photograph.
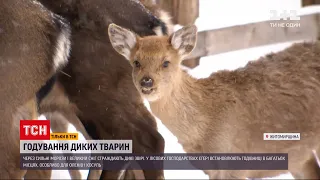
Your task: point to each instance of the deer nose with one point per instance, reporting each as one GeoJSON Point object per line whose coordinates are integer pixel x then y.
{"type": "Point", "coordinates": [146, 82]}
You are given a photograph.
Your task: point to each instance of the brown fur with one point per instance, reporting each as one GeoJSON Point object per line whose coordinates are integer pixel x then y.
{"type": "Point", "coordinates": [229, 111]}
{"type": "Point", "coordinates": [38, 174]}
{"type": "Point", "coordinates": [99, 80]}
{"type": "Point", "coordinates": [60, 111]}
{"type": "Point", "coordinates": [29, 35]}
{"type": "Point", "coordinates": [57, 107]}
{"type": "Point", "coordinates": [33, 108]}
{"type": "Point", "coordinates": [163, 15]}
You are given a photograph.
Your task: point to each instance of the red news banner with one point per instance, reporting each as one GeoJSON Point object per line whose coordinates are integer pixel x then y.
{"type": "Point", "coordinates": [40, 130]}
{"type": "Point", "coordinates": [35, 130]}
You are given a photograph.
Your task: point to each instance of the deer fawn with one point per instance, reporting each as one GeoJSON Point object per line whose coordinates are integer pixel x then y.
{"type": "Point", "coordinates": [229, 111]}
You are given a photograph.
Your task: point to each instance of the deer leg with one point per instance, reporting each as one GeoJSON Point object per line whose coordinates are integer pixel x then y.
{"type": "Point", "coordinates": [123, 174]}
{"type": "Point", "coordinates": [127, 174]}
{"type": "Point", "coordinates": [133, 174]}
{"type": "Point", "coordinates": [94, 174]}
{"type": "Point", "coordinates": [9, 142]}
{"type": "Point", "coordinates": [316, 154]}
{"type": "Point", "coordinates": [309, 169]}
{"type": "Point", "coordinates": [18, 174]}
{"type": "Point", "coordinates": [138, 174]}
{"type": "Point", "coordinates": [60, 124]}
{"type": "Point", "coordinates": [38, 174]}
{"type": "Point", "coordinates": [75, 121]}
{"type": "Point", "coordinates": [108, 174]}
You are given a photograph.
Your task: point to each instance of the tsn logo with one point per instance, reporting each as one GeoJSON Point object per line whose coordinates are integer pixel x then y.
{"type": "Point", "coordinates": [34, 129]}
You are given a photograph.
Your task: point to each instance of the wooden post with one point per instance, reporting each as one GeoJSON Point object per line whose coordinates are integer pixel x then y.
{"type": "Point", "coordinates": [216, 41]}
{"type": "Point", "coordinates": [309, 2]}
{"type": "Point", "coordinates": [183, 12]}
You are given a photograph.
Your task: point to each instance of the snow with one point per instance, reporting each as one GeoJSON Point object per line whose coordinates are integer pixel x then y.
{"type": "Point", "coordinates": [218, 14]}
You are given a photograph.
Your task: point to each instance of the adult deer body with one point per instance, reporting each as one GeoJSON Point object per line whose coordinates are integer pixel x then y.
{"type": "Point", "coordinates": [98, 80]}
{"type": "Point", "coordinates": [229, 111]}
{"type": "Point", "coordinates": [164, 16]}
{"type": "Point", "coordinates": [34, 44]}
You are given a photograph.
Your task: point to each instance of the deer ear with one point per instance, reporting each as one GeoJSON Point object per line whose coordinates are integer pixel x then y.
{"type": "Point", "coordinates": [122, 40]}
{"type": "Point", "coordinates": [184, 40]}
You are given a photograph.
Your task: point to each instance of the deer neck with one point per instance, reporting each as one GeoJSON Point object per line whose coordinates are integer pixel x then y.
{"type": "Point", "coordinates": [177, 108]}
{"type": "Point", "coordinates": [181, 89]}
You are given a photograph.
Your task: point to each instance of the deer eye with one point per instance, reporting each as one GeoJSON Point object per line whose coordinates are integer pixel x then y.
{"type": "Point", "coordinates": [136, 64]}
{"type": "Point", "coordinates": [165, 64]}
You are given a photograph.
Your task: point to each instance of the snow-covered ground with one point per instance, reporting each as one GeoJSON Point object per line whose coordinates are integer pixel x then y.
{"type": "Point", "coordinates": [217, 14]}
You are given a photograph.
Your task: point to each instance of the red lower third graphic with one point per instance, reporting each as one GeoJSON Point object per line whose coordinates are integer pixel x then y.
{"type": "Point", "coordinates": [34, 129]}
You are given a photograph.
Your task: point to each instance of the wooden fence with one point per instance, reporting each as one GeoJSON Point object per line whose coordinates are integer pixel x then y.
{"type": "Point", "coordinates": [238, 37]}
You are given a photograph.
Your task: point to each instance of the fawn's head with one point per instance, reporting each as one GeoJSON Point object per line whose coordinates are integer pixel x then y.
{"type": "Point", "coordinates": [155, 59]}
